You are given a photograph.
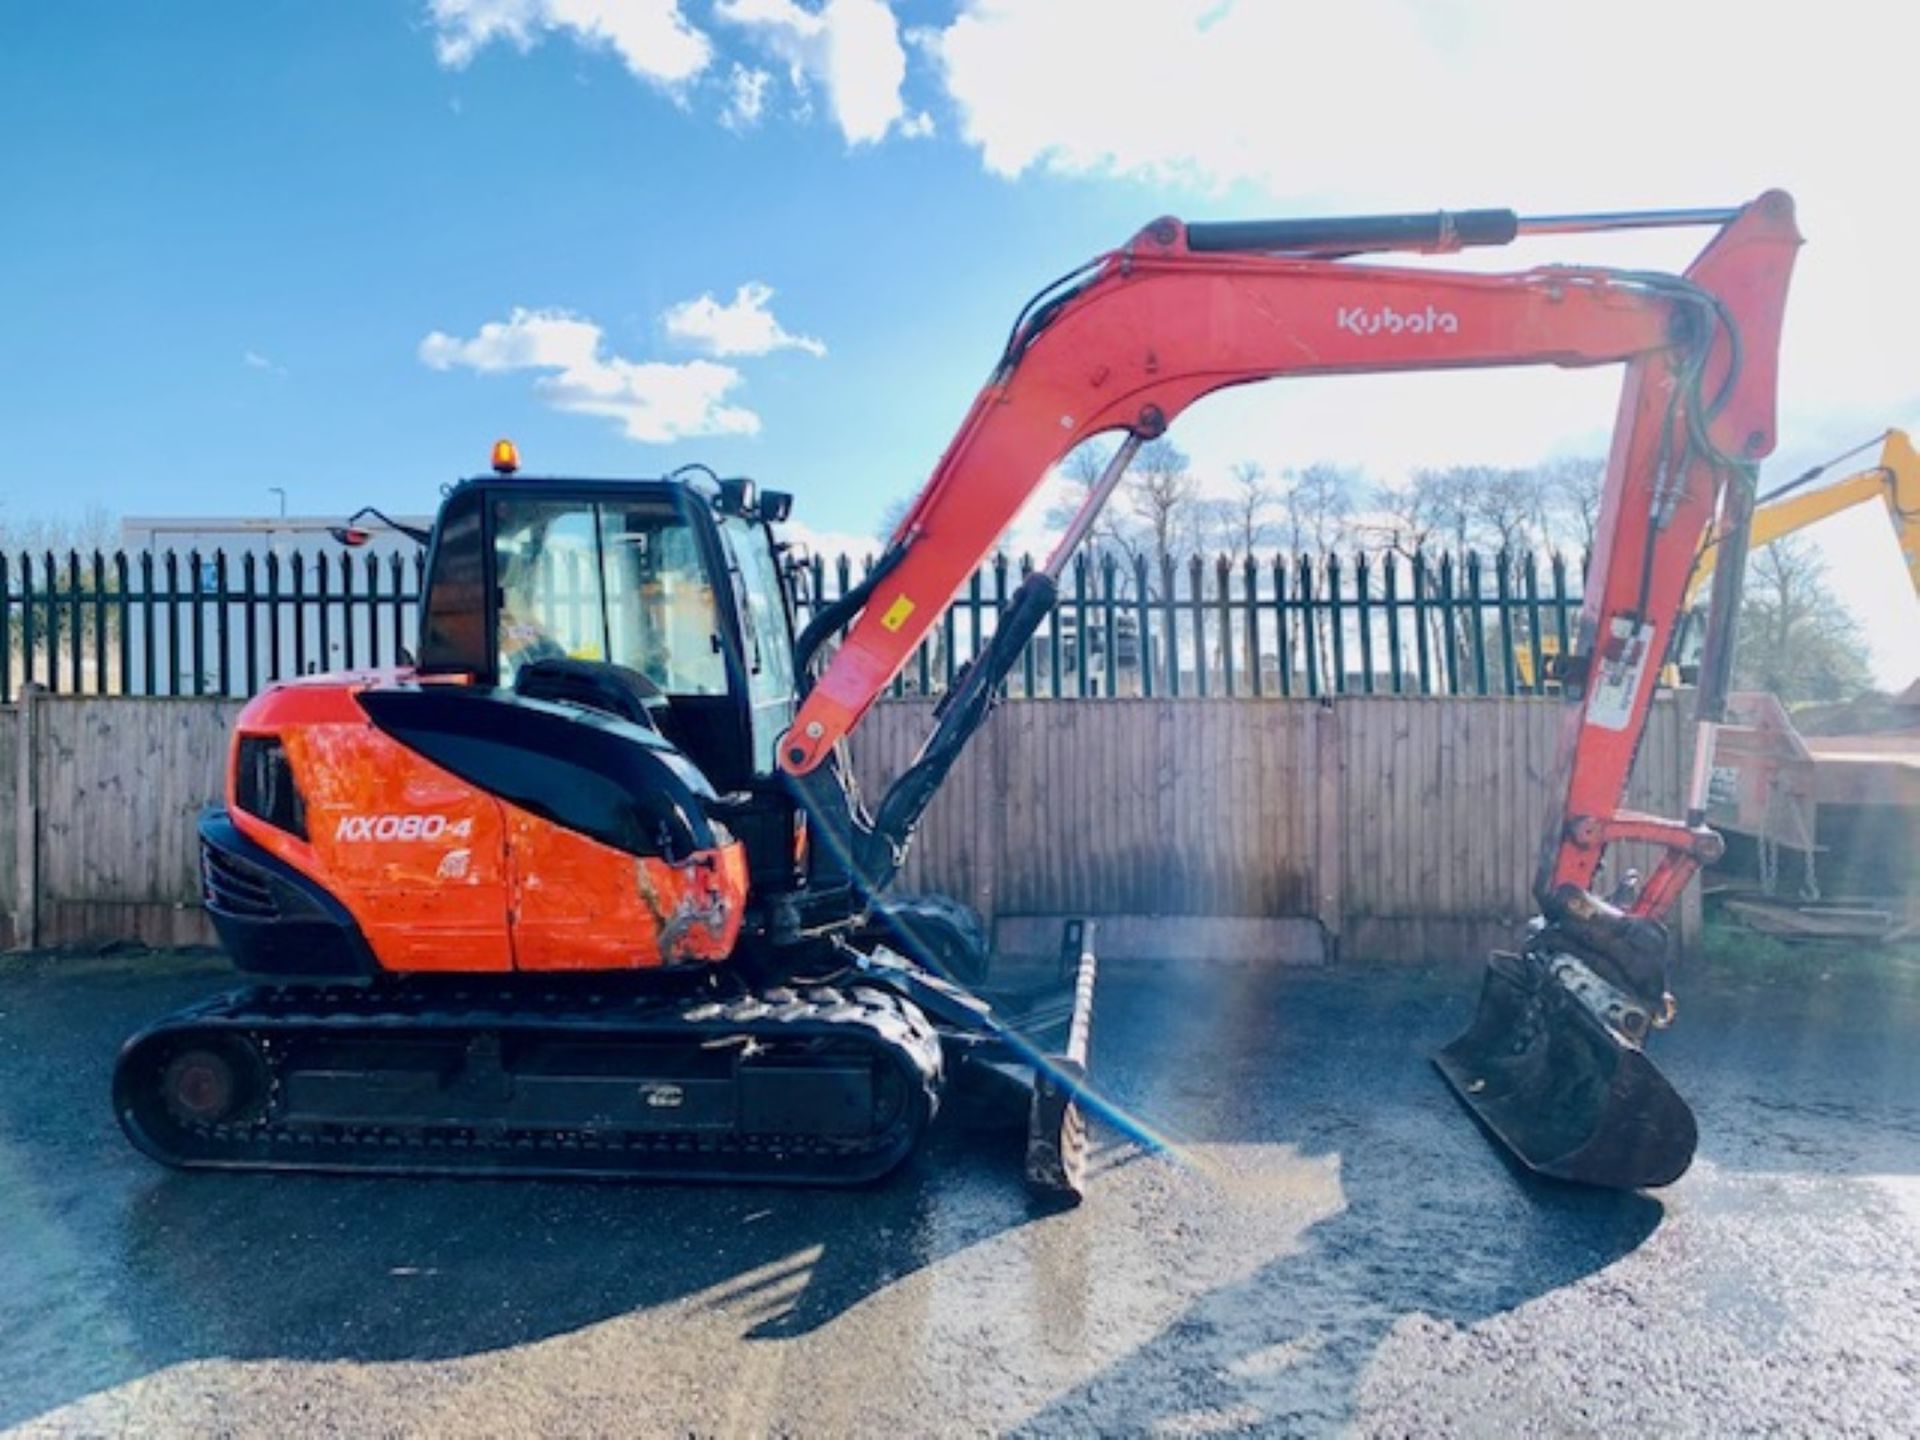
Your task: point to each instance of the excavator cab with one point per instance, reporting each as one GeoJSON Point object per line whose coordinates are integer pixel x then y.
{"type": "Point", "coordinates": [659, 601]}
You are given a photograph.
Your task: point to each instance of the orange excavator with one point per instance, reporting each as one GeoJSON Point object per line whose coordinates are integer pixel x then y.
{"type": "Point", "coordinates": [588, 888]}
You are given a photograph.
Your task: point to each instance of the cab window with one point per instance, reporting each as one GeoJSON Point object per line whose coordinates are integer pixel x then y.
{"type": "Point", "coordinates": [766, 635]}
{"type": "Point", "coordinates": [620, 583]}
{"type": "Point", "coordinates": [453, 625]}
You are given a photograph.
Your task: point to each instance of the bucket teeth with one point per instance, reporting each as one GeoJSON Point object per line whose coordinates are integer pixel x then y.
{"type": "Point", "coordinates": [1569, 1095]}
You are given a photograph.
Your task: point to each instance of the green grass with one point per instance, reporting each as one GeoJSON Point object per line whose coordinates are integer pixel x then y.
{"type": "Point", "coordinates": [1726, 945]}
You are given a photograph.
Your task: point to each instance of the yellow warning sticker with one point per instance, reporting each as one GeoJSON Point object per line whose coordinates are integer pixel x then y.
{"type": "Point", "coordinates": [897, 614]}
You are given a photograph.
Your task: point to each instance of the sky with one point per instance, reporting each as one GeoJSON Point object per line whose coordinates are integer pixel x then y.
{"type": "Point", "coordinates": [339, 248]}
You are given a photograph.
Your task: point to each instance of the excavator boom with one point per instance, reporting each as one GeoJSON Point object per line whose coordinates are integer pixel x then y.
{"type": "Point", "coordinates": [1152, 327]}
{"type": "Point", "coordinates": [1181, 311]}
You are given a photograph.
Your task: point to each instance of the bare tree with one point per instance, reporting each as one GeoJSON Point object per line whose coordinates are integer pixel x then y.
{"type": "Point", "coordinates": [93, 529]}
{"type": "Point", "coordinates": [1241, 521]}
{"type": "Point", "coordinates": [891, 514]}
{"type": "Point", "coordinates": [1111, 535]}
{"type": "Point", "coordinates": [1570, 489]}
{"type": "Point", "coordinates": [1317, 509]}
{"type": "Point", "coordinates": [1415, 514]}
{"type": "Point", "coordinates": [1082, 467]}
{"type": "Point", "coordinates": [1506, 507]}
{"type": "Point", "coordinates": [1464, 507]}
{"type": "Point", "coordinates": [1796, 638]}
{"type": "Point", "coordinates": [1318, 505]}
{"type": "Point", "coordinates": [1447, 498]}
{"type": "Point", "coordinates": [1234, 526]}
{"type": "Point", "coordinates": [1161, 491]}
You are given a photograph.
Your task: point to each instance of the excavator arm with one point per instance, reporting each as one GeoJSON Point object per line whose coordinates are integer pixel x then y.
{"type": "Point", "coordinates": [1552, 1064]}
{"type": "Point", "coordinates": [1184, 310]}
{"type": "Point", "coordinates": [1143, 332]}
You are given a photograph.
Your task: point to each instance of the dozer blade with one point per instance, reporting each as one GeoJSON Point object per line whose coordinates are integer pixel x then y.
{"type": "Point", "coordinates": [1566, 1093]}
{"type": "Point", "coordinates": [1056, 1128]}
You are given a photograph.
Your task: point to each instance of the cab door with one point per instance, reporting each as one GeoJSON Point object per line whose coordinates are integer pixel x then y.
{"type": "Point", "coordinates": [766, 636]}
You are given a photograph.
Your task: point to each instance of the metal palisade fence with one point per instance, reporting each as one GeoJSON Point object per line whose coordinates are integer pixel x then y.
{"type": "Point", "coordinates": [1193, 626]}
{"type": "Point", "coordinates": [194, 624]}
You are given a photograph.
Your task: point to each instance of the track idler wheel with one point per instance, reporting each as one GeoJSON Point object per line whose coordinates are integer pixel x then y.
{"type": "Point", "coordinates": [1570, 1095]}
{"type": "Point", "coordinates": [201, 1086]}
{"type": "Point", "coordinates": [189, 1089]}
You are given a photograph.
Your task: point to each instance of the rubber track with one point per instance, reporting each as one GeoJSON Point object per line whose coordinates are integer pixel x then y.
{"type": "Point", "coordinates": [785, 1017]}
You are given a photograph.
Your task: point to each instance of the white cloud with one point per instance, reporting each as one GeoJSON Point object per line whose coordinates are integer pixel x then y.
{"type": "Point", "coordinates": [852, 47]}
{"type": "Point", "coordinates": [745, 326]}
{"type": "Point", "coordinates": [1375, 105]}
{"type": "Point", "coordinates": [652, 37]}
{"type": "Point", "coordinates": [831, 544]}
{"type": "Point", "coordinates": [746, 97]}
{"type": "Point", "coordinates": [1400, 104]}
{"type": "Point", "coordinates": [254, 360]}
{"type": "Point", "coordinates": [653, 401]}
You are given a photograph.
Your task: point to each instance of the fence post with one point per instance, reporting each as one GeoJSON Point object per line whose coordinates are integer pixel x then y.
{"type": "Point", "coordinates": [6, 633]}
{"type": "Point", "coordinates": [1330, 853]}
{"type": "Point", "coordinates": [26, 820]}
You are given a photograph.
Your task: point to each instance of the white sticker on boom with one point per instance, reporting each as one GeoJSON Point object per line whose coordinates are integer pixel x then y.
{"type": "Point", "coordinates": [1622, 660]}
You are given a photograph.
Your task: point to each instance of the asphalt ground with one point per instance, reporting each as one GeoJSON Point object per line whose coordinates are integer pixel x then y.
{"type": "Point", "coordinates": [1327, 1245]}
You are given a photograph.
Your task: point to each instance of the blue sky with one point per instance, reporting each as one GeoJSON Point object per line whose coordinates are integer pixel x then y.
{"type": "Point", "coordinates": [259, 244]}
{"type": "Point", "coordinates": [308, 185]}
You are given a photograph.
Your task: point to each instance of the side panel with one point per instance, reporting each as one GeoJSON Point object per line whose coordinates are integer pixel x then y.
{"type": "Point", "coordinates": [417, 856]}
{"type": "Point", "coordinates": [441, 874]}
{"type": "Point", "coordinates": [581, 905]}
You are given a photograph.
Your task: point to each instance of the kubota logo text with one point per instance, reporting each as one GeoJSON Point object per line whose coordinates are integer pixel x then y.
{"type": "Point", "coordinates": [400, 827]}
{"type": "Point", "coordinates": [1385, 320]}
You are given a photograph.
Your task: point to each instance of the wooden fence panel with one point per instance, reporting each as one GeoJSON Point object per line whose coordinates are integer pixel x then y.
{"type": "Point", "coordinates": [120, 784]}
{"type": "Point", "coordinates": [1407, 826]}
{"type": "Point", "coordinates": [1167, 807]}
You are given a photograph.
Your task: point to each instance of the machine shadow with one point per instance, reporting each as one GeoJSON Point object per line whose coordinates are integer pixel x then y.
{"type": "Point", "coordinates": [330, 1269]}
{"type": "Point", "coordinates": [1807, 1067]}
{"type": "Point", "coordinates": [1283, 1350]}
{"type": "Point", "coordinates": [1434, 1224]}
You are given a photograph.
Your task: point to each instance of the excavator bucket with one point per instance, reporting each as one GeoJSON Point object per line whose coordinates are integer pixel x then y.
{"type": "Point", "coordinates": [1569, 1095]}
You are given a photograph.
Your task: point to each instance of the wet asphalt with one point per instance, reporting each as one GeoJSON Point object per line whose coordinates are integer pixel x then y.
{"type": "Point", "coordinates": [1325, 1244]}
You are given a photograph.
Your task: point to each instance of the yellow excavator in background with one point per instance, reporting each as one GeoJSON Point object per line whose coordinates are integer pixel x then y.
{"type": "Point", "coordinates": [1785, 511]}
{"type": "Point", "coordinates": [1845, 789]}
{"type": "Point", "coordinates": [1790, 507]}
